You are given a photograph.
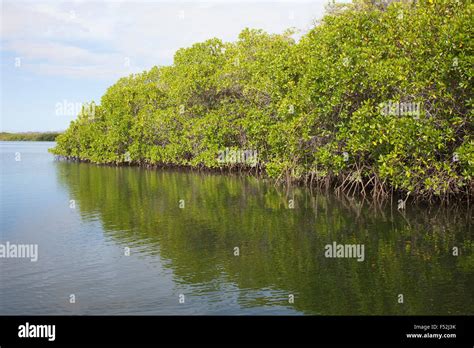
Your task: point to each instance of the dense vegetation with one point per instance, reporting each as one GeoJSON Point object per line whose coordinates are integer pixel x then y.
{"type": "Point", "coordinates": [29, 136]}
{"type": "Point", "coordinates": [313, 109]}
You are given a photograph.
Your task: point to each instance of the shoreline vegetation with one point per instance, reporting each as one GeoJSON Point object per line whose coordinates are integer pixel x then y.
{"type": "Point", "coordinates": [29, 136]}
{"type": "Point", "coordinates": [376, 100]}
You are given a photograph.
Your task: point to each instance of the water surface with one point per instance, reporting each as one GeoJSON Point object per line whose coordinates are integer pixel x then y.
{"type": "Point", "coordinates": [83, 217]}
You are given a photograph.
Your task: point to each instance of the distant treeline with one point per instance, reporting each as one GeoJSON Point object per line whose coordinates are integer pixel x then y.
{"type": "Point", "coordinates": [376, 98]}
{"type": "Point", "coordinates": [29, 136]}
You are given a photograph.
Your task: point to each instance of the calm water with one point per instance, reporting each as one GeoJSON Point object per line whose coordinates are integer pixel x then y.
{"type": "Point", "coordinates": [190, 250]}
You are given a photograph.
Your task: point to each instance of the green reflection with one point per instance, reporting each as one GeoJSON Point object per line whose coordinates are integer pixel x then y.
{"type": "Point", "coordinates": [282, 249]}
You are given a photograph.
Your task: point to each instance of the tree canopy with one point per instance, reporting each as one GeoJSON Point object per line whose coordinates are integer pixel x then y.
{"type": "Point", "coordinates": [313, 108]}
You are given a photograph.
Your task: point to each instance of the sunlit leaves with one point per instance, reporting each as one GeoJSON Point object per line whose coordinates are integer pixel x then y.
{"type": "Point", "coordinates": [303, 104]}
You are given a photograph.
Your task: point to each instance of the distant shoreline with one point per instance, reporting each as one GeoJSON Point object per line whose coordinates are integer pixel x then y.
{"type": "Point", "coordinates": [29, 136]}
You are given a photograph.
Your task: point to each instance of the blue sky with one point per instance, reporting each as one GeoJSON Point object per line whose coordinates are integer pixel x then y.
{"type": "Point", "coordinates": [68, 52]}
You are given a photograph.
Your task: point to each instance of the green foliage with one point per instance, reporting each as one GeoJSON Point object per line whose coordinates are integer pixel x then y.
{"type": "Point", "coordinates": [30, 136]}
{"type": "Point", "coordinates": [303, 105]}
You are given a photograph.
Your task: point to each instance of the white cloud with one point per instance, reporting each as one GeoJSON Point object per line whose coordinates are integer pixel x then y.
{"type": "Point", "coordinates": [95, 39]}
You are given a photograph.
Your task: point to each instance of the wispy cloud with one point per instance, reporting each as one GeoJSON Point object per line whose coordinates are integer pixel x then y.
{"type": "Point", "coordinates": [89, 39]}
